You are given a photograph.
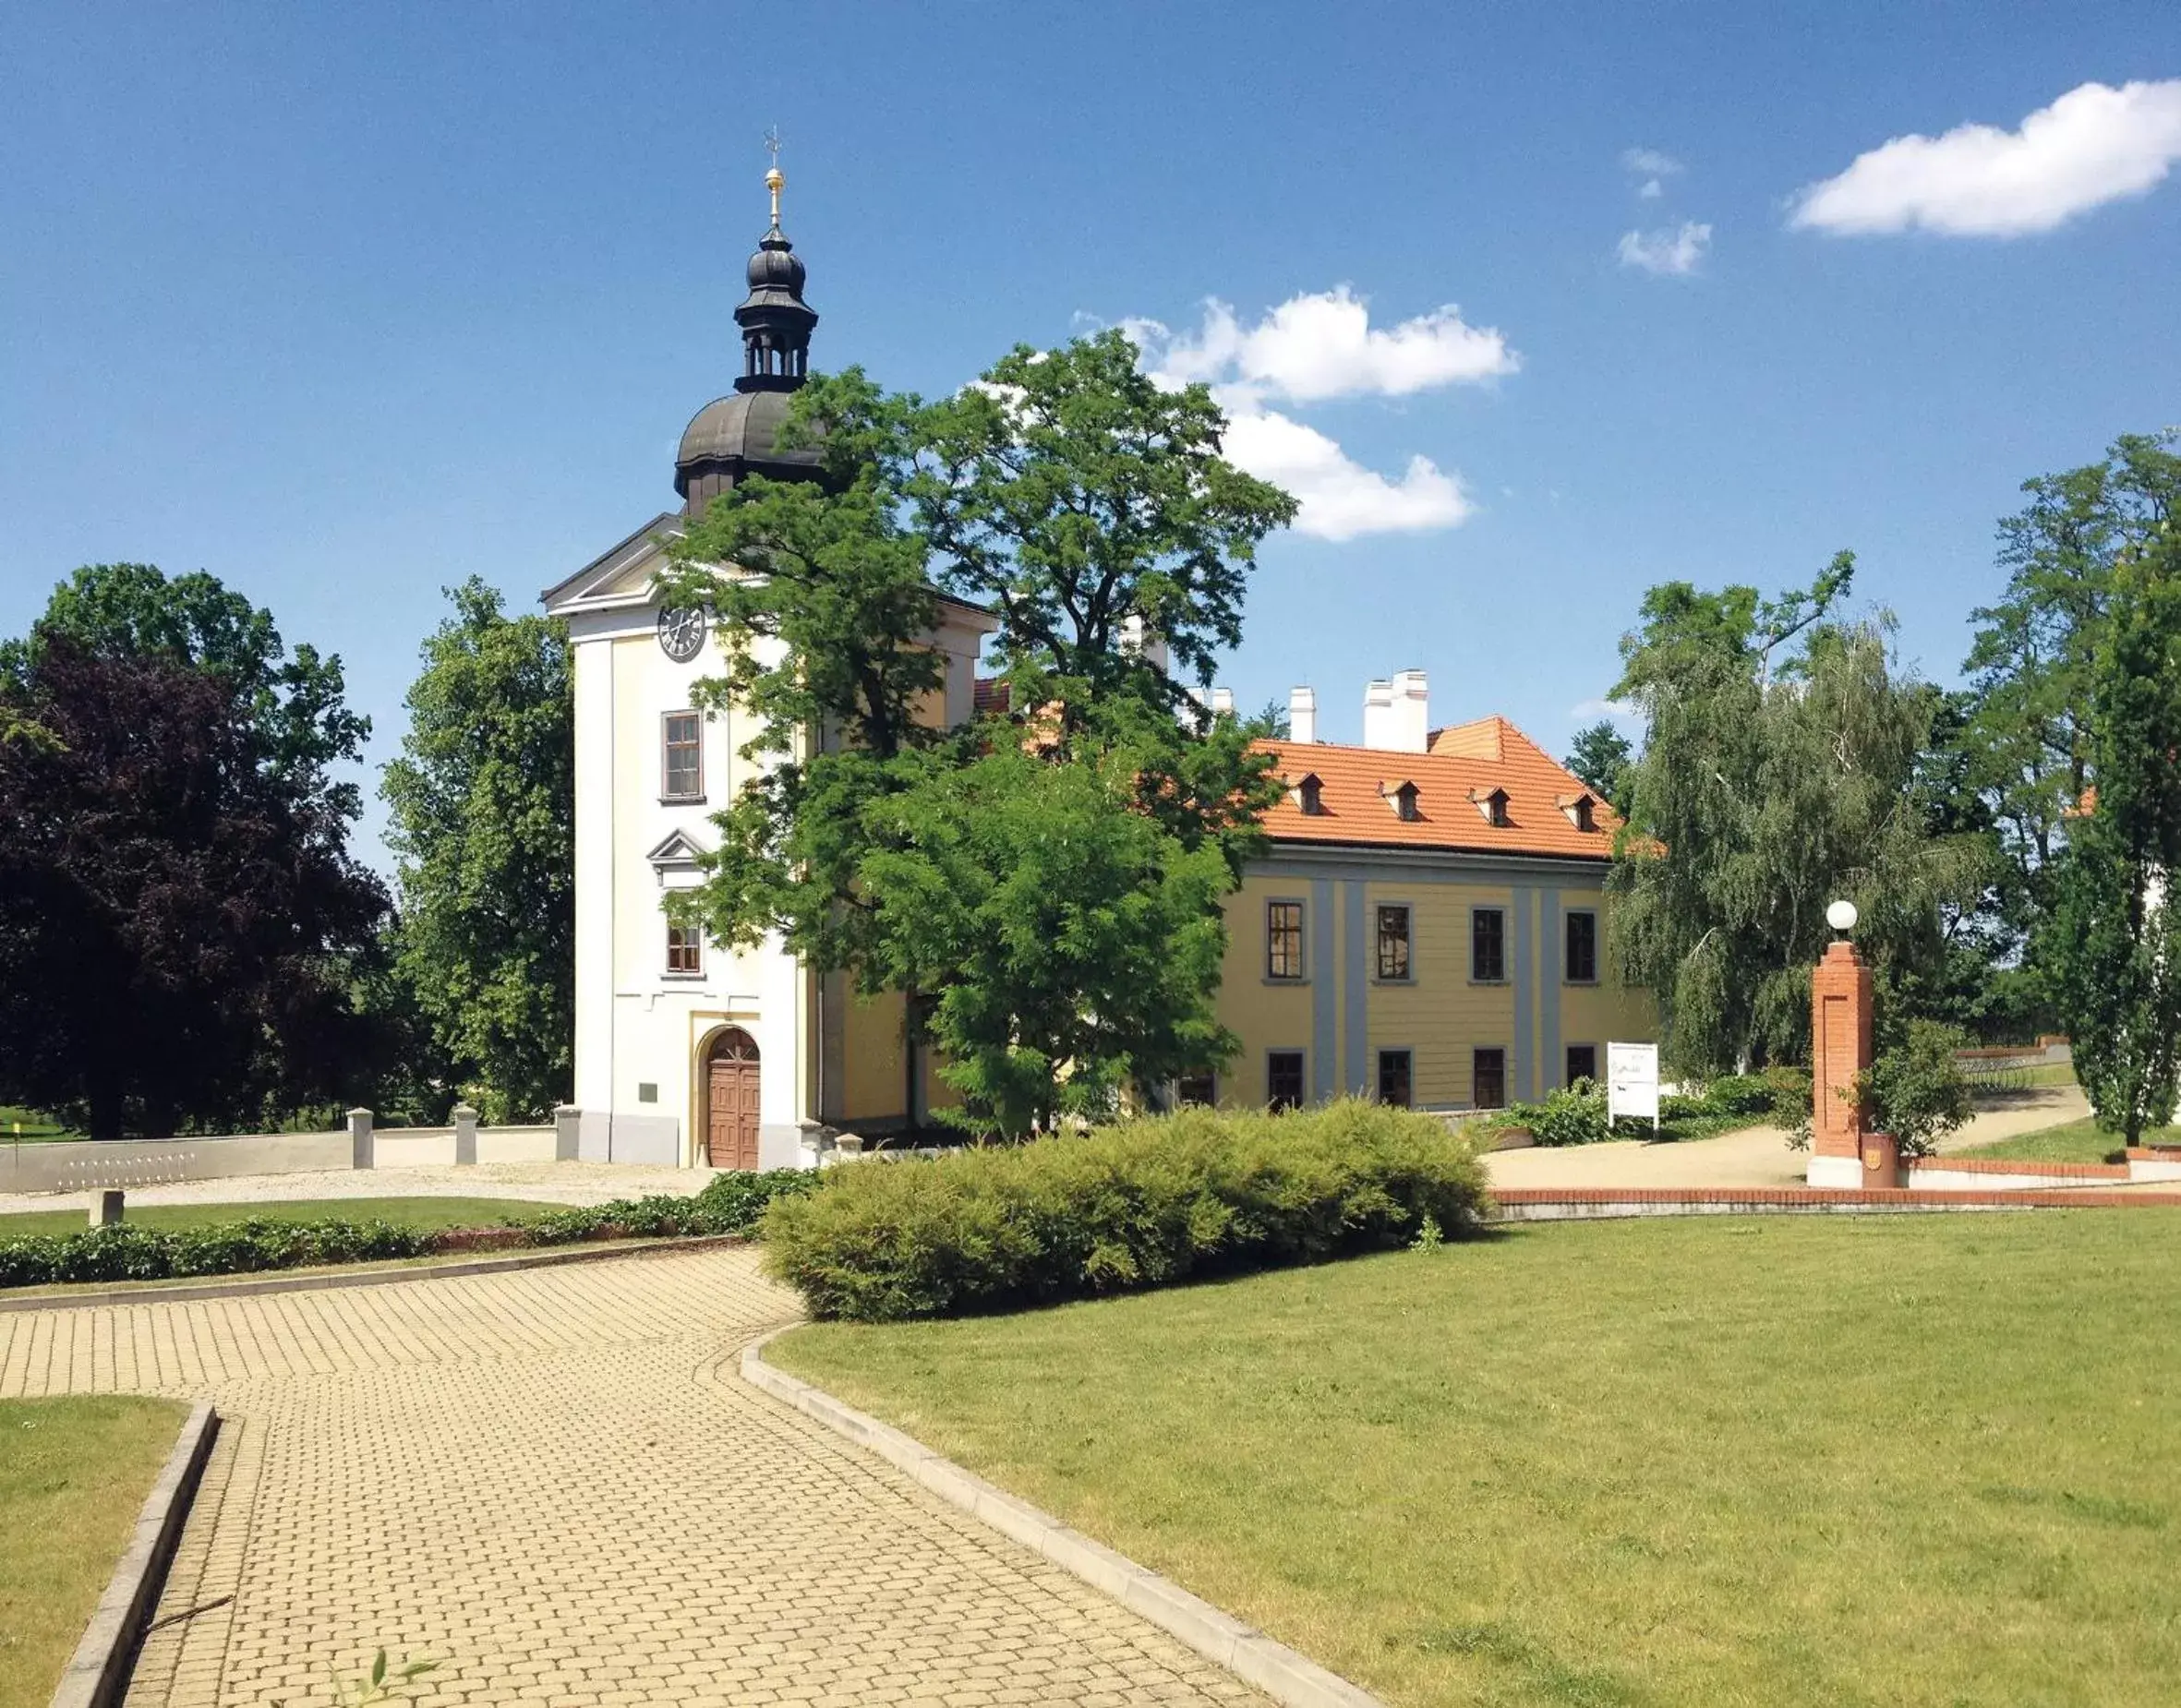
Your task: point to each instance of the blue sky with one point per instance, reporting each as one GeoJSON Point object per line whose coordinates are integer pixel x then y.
{"type": "Point", "coordinates": [346, 304]}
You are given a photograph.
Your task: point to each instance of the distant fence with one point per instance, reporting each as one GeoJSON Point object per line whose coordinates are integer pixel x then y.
{"type": "Point", "coordinates": [79, 1165]}
{"type": "Point", "coordinates": [2013, 1067]}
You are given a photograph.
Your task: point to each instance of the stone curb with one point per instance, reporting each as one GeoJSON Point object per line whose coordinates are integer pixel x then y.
{"type": "Point", "coordinates": [97, 1675]}
{"type": "Point", "coordinates": [1273, 1667]}
{"type": "Point", "coordinates": [153, 1293]}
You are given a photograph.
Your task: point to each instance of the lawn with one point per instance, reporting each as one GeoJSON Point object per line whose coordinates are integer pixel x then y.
{"type": "Point", "coordinates": [418, 1213]}
{"type": "Point", "coordinates": [2078, 1141]}
{"type": "Point", "coordinates": [28, 1126]}
{"type": "Point", "coordinates": [73, 1476]}
{"type": "Point", "coordinates": [1917, 1460]}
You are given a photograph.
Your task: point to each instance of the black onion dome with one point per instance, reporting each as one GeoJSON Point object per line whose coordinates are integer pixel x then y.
{"type": "Point", "coordinates": [776, 267]}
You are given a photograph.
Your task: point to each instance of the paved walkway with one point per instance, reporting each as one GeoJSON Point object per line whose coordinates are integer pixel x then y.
{"type": "Point", "coordinates": [1756, 1156]}
{"type": "Point", "coordinates": [553, 1481]}
{"type": "Point", "coordinates": [546, 1183]}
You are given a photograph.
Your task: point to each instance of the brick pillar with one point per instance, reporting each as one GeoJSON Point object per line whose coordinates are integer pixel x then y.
{"type": "Point", "coordinates": [1840, 1049]}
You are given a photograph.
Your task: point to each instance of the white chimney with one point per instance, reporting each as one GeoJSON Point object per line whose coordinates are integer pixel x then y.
{"type": "Point", "coordinates": [1302, 714]}
{"type": "Point", "coordinates": [1223, 702]}
{"type": "Point", "coordinates": [1412, 711]}
{"type": "Point", "coordinates": [1139, 641]}
{"type": "Point", "coordinates": [1397, 714]}
{"type": "Point", "coordinates": [1378, 715]}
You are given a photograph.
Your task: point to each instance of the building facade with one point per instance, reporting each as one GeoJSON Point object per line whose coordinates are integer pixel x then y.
{"type": "Point", "coordinates": [1426, 929]}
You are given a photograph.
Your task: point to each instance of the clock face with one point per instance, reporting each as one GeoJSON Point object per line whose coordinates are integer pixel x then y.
{"type": "Point", "coordinates": [681, 634]}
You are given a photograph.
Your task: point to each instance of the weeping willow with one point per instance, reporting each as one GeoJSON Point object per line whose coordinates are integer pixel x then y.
{"type": "Point", "coordinates": [1767, 788]}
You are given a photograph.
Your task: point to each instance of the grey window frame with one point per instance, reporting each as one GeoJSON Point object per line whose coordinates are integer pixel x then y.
{"type": "Point", "coordinates": [1476, 1051]}
{"type": "Point", "coordinates": [669, 794]}
{"type": "Point", "coordinates": [1302, 941]}
{"type": "Point", "coordinates": [1302, 1077]}
{"type": "Point", "coordinates": [1378, 1078]}
{"type": "Point", "coordinates": [1474, 975]}
{"type": "Point", "coordinates": [1408, 941]}
{"type": "Point", "coordinates": [1567, 975]}
{"type": "Point", "coordinates": [695, 935]}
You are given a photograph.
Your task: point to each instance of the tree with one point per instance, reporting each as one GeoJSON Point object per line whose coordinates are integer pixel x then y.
{"type": "Point", "coordinates": [1601, 756]}
{"type": "Point", "coordinates": [483, 808]}
{"type": "Point", "coordinates": [295, 703]}
{"type": "Point", "coordinates": [180, 921]}
{"type": "Point", "coordinates": [1773, 780]}
{"type": "Point", "coordinates": [2113, 950]}
{"type": "Point", "coordinates": [2030, 733]}
{"type": "Point", "coordinates": [1091, 513]}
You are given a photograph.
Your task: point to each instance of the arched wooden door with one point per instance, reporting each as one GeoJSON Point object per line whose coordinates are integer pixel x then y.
{"type": "Point", "coordinates": [730, 1100]}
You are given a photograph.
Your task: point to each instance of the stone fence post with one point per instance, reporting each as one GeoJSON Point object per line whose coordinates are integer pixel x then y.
{"type": "Point", "coordinates": [567, 1132]}
{"type": "Point", "coordinates": [465, 1135]}
{"type": "Point", "coordinates": [359, 1138]}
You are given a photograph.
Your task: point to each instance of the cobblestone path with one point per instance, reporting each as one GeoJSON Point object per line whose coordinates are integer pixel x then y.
{"type": "Point", "coordinates": [552, 1481]}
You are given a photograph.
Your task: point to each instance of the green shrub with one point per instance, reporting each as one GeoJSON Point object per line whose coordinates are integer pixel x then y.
{"type": "Point", "coordinates": [730, 1204]}
{"type": "Point", "coordinates": [1741, 1094]}
{"type": "Point", "coordinates": [1573, 1115]}
{"type": "Point", "coordinates": [1143, 1204]}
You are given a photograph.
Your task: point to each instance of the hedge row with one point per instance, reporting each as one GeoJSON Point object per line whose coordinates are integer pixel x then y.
{"type": "Point", "coordinates": [1145, 1204]}
{"type": "Point", "coordinates": [730, 1204]}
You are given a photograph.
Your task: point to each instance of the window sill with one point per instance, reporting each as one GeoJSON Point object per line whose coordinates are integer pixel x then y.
{"type": "Point", "coordinates": [1580, 984]}
{"type": "Point", "coordinates": [1407, 983]}
{"type": "Point", "coordinates": [1500, 983]}
{"type": "Point", "coordinates": [681, 800]}
{"type": "Point", "coordinates": [1285, 984]}
{"type": "Point", "coordinates": [684, 977]}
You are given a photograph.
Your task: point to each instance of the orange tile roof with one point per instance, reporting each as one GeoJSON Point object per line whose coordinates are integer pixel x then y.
{"type": "Point", "coordinates": [1488, 754]}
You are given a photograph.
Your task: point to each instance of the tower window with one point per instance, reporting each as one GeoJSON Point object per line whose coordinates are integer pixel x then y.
{"type": "Point", "coordinates": [685, 950]}
{"type": "Point", "coordinates": [683, 774]}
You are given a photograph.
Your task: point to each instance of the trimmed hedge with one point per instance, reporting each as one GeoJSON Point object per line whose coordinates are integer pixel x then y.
{"type": "Point", "coordinates": [730, 1204]}
{"type": "Point", "coordinates": [1144, 1204]}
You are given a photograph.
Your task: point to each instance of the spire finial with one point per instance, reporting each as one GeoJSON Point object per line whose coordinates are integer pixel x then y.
{"type": "Point", "coordinates": [773, 177]}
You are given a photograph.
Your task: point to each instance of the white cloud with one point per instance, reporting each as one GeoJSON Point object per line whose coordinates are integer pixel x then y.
{"type": "Point", "coordinates": [1590, 711]}
{"type": "Point", "coordinates": [1341, 498]}
{"type": "Point", "coordinates": [1651, 191]}
{"type": "Point", "coordinates": [1667, 251]}
{"type": "Point", "coordinates": [2093, 145]}
{"type": "Point", "coordinates": [1315, 346]}
{"type": "Point", "coordinates": [1649, 163]}
{"type": "Point", "coordinates": [1321, 345]}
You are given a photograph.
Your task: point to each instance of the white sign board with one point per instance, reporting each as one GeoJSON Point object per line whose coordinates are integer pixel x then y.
{"type": "Point", "coordinates": [1632, 1082]}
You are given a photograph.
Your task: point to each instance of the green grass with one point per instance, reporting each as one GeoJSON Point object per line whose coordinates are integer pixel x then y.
{"type": "Point", "coordinates": [2078, 1141]}
{"type": "Point", "coordinates": [1918, 1460]}
{"type": "Point", "coordinates": [28, 1126]}
{"type": "Point", "coordinates": [404, 1212]}
{"type": "Point", "coordinates": [73, 1476]}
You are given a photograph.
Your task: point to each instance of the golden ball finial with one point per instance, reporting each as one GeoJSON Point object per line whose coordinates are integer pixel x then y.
{"type": "Point", "coordinates": [775, 179]}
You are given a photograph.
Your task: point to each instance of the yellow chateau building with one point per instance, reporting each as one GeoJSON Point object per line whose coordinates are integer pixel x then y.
{"type": "Point", "coordinates": [1429, 925]}
{"type": "Point", "coordinates": [1425, 929]}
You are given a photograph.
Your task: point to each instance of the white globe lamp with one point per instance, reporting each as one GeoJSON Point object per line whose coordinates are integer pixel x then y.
{"type": "Point", "coordinates": [1842, 916]}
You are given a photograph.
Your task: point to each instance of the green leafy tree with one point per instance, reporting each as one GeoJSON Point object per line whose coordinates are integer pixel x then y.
{"type": "Point", "coordinates": [2113, 949]}
{"type": "Point", "coordinates": [1778, 773]}
{"type": "Point", "coordinates": [1601, 756]}
{"type": "Point", "coordinates": [482, 806]}
{"type": "Point", "coordinates": [294, 700]}
{"type": "Point", "coordinates": [181, 925]}
{"type": "Point", "coordinates": [1090, 512]}
{"type": "Point", "coordinates": [2029, 737]}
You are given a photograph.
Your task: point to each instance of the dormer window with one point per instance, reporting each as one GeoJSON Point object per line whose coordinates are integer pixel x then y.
{"type": "Point", "coordinates": [1492, 805]}
{"type": "Point", "coordinates": [1309, 795]}
{"type": "Point", "coordinates": [1581, 809]}
{"type": "Point", "coordinates": [1402, 797]}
